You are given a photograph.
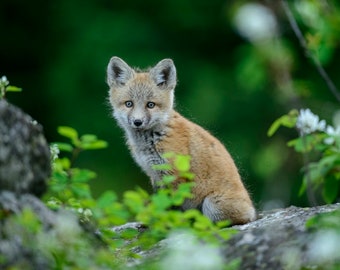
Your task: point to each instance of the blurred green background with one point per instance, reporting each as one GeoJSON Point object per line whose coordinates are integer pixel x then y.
{"type": "Point", "coordinates": [233, 83]}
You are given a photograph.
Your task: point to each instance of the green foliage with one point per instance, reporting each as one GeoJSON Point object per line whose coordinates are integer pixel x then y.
{"type": "Point", "coordinates": [288, 120]}
{"type": "Point", "coordinates": [65, 245]}
{"type": "Point", "coordinates": [85, 142]}
{"type": "Point", "coordinates": [325, 221]}
{"type": "Point", "coordinates": [5, 87]}
{"type": "Point", "coordinates": [322, 27]}
{"type": "Point", "coordinates": [320, 147]}
{"type": "Point", "coordinates": [68, 184]}
{"type": "Point", "coordinates": [69, 188]}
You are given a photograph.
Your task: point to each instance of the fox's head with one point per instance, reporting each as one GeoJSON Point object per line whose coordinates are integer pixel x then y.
{"type": "Point", "coordinates": [141, 100]}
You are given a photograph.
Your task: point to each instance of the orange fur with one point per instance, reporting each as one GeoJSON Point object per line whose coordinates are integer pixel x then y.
{"type": "Point", "coordinates": [216, 175]}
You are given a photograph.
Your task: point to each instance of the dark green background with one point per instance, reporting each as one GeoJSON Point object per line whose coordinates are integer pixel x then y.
{"type": "Point", "coordinates": [57, 51]}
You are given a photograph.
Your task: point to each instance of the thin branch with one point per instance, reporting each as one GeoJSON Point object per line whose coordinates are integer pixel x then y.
{"type": "Point", "coordinates": [309, 189]}
{"type": "Point", "coordinates": [304, 45]}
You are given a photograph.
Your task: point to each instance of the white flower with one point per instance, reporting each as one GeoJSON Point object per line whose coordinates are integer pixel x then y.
{"type": "Point", "coordinates": [255, 22]}
{"type": "Point", "coordinates": [307, 122]}
{"type": "Point", "coordinates": [185, 251]}
{"type": "Point", "coordinates": [332, 132]}
{"type": "Point", "coordinates": [3, 84]}
{"type": "Point", "coordinates": [88, 213]}
{"type": "Point", "coordinates": [54, 152]}
{"type": "Point", "coordinates": [4, 81]}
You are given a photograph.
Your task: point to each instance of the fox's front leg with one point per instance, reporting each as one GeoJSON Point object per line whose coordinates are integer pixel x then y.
{"type": "Point", "coordinates": [157, 178]}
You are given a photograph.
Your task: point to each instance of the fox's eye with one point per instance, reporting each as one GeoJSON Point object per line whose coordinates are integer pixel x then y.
{"type": "Point", "coordinates": [150, 105]}
{"type": "Point", "coordinates": [128, 104]}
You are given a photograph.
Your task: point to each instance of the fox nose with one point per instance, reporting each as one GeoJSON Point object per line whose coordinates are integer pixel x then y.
{"type": "Point", "coordinates": [137, 122]}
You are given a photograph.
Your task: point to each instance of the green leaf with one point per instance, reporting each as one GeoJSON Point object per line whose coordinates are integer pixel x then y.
{"type": "Point", "coordinates": [12, 88]}
{"type": "Point", "coordinates": [306, 143]}
{"type": "Point", "coordinates": [64, 147]}
{"type": "Point", "coordinates": [81, 190]}
{"type": "Point", "coordinates": [98, 144]}
{"type": "Point", "coordinates": [329, 220]}
{"type": "Point", "coordinates": [29, 220]}
{"type": "Point", "coordinates": [161, 200]}
{"type": "Point", "coordinates": [60, 178]}
{"type": "Point", "coordinates": [302, 144]}
{"type": "Point", "coordinates": [330, 189]}
{"type": "Point", "coordinates": [134, 200]}
{"type": "Point", "coordinates": [202, 223]}
{"type": "Point", "coordinates": [224, 224]}
{"type": "Point", "coordinates": [106, 199]}
{"type": "Point", "coordinates": [187, 175]}
{"type": "Point", "coordinates": [294, 142]}
{"type": "Point", "coordinates": [328, 163]}
{"type": "Point", "coordinates": [82, 175]}
{"type": "Point", "coordinates": [182, 163]}
{"type": "Point", "coordinates": [167, 179]}
{"type": "Point", "coordinates": [288, 120]}
{"type": "Point", "coordinates": [129, 233]}
{"type": "Point", "coordinates": [313, 174]}
{"type": "Point", "coordinates": [303, 187]}
{"type": "Point", "coordinates": [142, 193]}
{"type": "Point", "coordinates": [162, 167]}
{"type": "Point", "coordinates": [68, 132]}
{"type": "Point", "coordinates": [191, 214]}
{"type": "Point", "coordinates": [54, 203]}
{"type": "Point", "coordinates": [183, 192]}
{"type": "Point", "coordinates": [65, 163]}
{"type": "Point", "coordinates": [88, 138]}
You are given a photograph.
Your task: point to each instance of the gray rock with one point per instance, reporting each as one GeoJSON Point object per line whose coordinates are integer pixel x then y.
{"type": "Point", "coordinates": [277, 240]}
{"type": "Point", "coordinates": [15, 245]}
{"type": "Point", "coordinates": [31, 234]}
{"type": "Point", "coordinates": [24, 153]}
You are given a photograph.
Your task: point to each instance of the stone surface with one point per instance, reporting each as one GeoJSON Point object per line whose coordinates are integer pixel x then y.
{"type": "Point", "coordinates": [15, 246]}
{"type": "Point", "coordinates": [24, 153]}
{"type": "Point", "coordinates": [31, 233]}
{"type": "Point", "coordinates": [277, 240]}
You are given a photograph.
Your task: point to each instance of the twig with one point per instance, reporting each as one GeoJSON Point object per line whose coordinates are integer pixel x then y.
{"type": "Point", "coordinates": [304, 45]}
{"type": "Point", "coordinates": [309, 190]}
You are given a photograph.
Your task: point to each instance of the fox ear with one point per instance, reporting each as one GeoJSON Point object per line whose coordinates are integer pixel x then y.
{"type": "Point", "coordinates": [118, 72]}
{"type": "Point", "coordinates": [164, 74]}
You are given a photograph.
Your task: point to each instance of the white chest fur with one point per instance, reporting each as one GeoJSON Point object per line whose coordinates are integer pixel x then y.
{"type": "Point", "coordinates": [142, 145]}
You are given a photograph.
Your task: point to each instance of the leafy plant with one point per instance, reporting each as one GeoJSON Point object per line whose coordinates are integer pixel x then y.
{"type": "Point", "coordinates": [5, 87]}
{"type": "Point", "coordinates": [320, 146]}
{"type": "Point", "coordinates": [69, 188]}
{"type": "Point", "coordinates": [68, 185]}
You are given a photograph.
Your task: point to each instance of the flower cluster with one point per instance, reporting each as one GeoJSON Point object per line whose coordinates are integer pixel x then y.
{"type": "Point", "coordinates": [332, 133]}
{"type": "Point", "coordinates": [3, 81]}
{"type": "Point", "coordinates": [54, 150]}
{"type": "Point", "coordinates": [256, 22]}
{"type": "Point", "coordinates": [3, 84]}
{"type": "Point", "coordinates": [322, 141]}
{"type": "Point", "coordinates": [308, 122]}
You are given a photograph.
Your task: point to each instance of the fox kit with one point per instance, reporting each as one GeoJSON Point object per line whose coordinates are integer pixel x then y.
{"type": "Point", "coordinates": [142, 104]}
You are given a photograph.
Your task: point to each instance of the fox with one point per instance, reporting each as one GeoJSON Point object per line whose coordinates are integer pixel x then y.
{"type": "Point", "coordinates": [143, 106]}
